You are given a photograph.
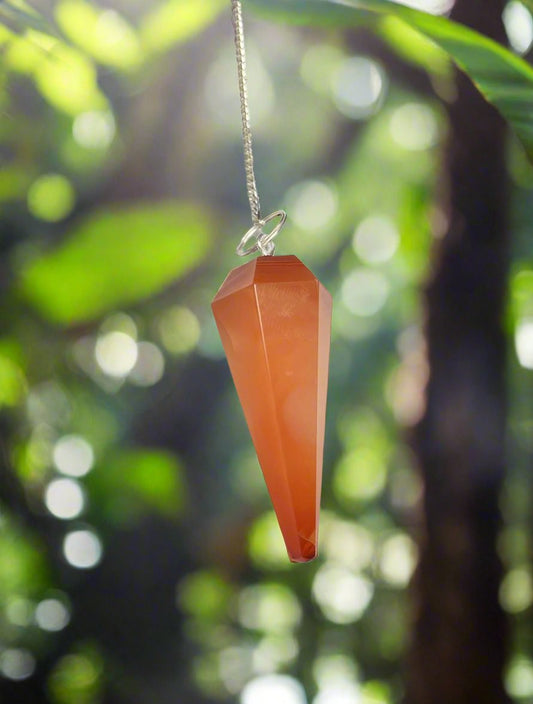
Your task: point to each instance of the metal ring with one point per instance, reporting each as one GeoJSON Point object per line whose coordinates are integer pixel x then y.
{"type": "Point", "coordinates": [263, 241]}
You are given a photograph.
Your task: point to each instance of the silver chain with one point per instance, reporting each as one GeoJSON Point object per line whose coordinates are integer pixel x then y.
{"type": "Point", "coordinates": [264, 241]}
{"type": "Point", "coordinates": [240, 52]}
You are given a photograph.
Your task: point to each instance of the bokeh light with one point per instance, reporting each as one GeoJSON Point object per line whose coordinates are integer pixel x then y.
{"type": "Point", "coordinates": [398, 559]}
{"type": "Point", "coordinates": [342, 595]}
{"type": "Point", "coordinates": [311, 204]}
{"type": "Point", "coordinates": [519, 678]}
{"type": "Point", "coordinates": [524, 343]}
{"type": "Point", "coordinates": [94, 129]}
{"type": "Point", "coordinates": [358, 87]}
{"type": "Point", "coordinates": [52, 615]}
{"type": "Point", "coordinates": [73, 456]}
{"type": "Point", "coordinates": [518, 25]}
{"type": "Point", "coordinates": [281, 689]}
{"type": "Point", "coordinates": [516, 590]}
{"type": "Point", "coordinates": [17, 664]}
{"type": "Point", "coordinates": [149, 366]}
{"type": "Point", "coordinates": [51, 197]}
{"type": "Point", "coordinates": [179, 329]}
{"type": "Point", "coordinates": [269, 608]}
{"type": "Point", "coordinates": [116, 353]}
{"type": "Point", "coordinates": [82, 549]}
{"type": "Point", "coordinates": [365, 292]}
{"type": "Point", "coordinates": [414, 127]}
{"type": "Point", "coordinates": [64, 498]}
{"type": "Point", "coordinates": [376, 239]}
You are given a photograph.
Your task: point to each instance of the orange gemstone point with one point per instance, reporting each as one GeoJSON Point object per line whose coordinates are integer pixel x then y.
{"type": "Point", "coordinates": [274, 319]}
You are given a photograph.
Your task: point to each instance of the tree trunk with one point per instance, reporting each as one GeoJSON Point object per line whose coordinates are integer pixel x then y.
{"type": "Point", "coordinates": [459, 640]}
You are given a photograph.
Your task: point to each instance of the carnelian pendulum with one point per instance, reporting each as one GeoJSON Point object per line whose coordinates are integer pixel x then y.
{"type": "Point", "coordinates": [274, 318]}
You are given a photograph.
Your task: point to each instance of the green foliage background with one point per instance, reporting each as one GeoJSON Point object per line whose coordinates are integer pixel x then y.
{"type": "Point", "coordinates": [122, 200]}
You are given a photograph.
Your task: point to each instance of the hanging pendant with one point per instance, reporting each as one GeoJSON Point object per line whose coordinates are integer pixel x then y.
{"type": "Point", "coordinates": [274, 319]}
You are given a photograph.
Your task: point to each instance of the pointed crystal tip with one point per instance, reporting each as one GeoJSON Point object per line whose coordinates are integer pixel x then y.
{"type": "Point", "coordinates": [308, 551]}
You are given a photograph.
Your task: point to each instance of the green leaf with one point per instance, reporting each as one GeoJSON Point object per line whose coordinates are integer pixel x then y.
{"type": "Point", "coordinates": [503, 78]}
{"type": "Point", "coordinates": [177, 21]}
{"type": "Point", "coordinates": [135, 481]}
{"type": "Point", "coordinates": [105, 35]}
{"type": "Point", "coordinates": [113, 258]}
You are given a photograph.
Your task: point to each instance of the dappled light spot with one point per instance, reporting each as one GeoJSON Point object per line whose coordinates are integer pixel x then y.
{"type": "Point", "coordinates": [516, 590]}
{"type": "Point", "coordinates": [413, 126]}
{"type": "Point", "coordinates": [19, 611]}
{"type": "Point", "coordinates": [73, 456]}
{"type": "Point", "coordinates": [274, 651]}
{"type": "Point", "coordinates": [346, 543]}
{"type": "Point", "coordinates": [365, 292]}
{"type": "Point", "coordinates": [524, 343]}
{"type": "Point", "coordinates": [204, 595]}
{"type": "Point", "coordinates": [519, 26]}
{"type": "Point", "coordinates": [52, 615]}
{"type": "Point", "coordinates": [51, 198]}
{"type": "Point", "coordinates": [358, 86]}
{"type": "Point", "coordinates": [341, 595]}
{"type": "Point", "coordinates": [319, 64]}
{"type": "Point", "coordinates": [334, 669]}
{"type": "Point", "coordinates": [64, 498]}
{"type": "Point", "coordinates": [235, 666]}
{"type": "Point", "coordinates": [376, 239]}
{"type": "Point", "coordinates": [280, 689]}
{"type": "Point", "coordinates": [519, 677]}
{"type": "Point", "coordinates": [116, 353]}
{"type": "Point", "coordinates": [339, 693]}
{"type": "Point", "coordinates": [312, 204]}
{"type": "Point", "coordinates": [435, 7]}
{"type": "Point", "coordinates": [149, 367]}
{"type": "Point", "coordinates": [82, 549]}
{"type": "Point", "coordinates": [398, 559]}
{"type": "Point", "coordinates": [94, 129]}
{"type": "Point", "coordinates": [179, 329]}
{"type": "Point", "coordinates": [17, 664]}
{"type": "Point", "coordinates": [265, 543]}
{"type": "Point", "coordinates": [269, 607]}
{"type": "Point", "coordinates": [360, 475]}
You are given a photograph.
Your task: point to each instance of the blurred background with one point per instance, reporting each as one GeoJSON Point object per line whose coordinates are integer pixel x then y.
{"type": "Point", "coordinates": [140, 560]}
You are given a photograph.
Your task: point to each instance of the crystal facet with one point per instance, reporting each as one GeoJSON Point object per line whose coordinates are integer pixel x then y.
{"type": "Point", "coordinates": [274, 318]}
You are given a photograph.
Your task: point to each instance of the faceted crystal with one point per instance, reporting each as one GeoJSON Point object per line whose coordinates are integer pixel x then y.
{"type": "Point", "coordinates": [274, 318]}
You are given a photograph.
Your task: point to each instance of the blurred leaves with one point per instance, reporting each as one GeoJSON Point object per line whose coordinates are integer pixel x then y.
{"type": "Point", "coordinates": [77, 677]}
{"type": "Point", "coordinates": [176, 21]}
{"type": "Point", "coordinates": [102, 33]}
{"type": "Point", "coordinates": [137, 481]}
{"type": "Point", "coordinates": [115, 257]}
{"type": "Point", "coordinates": [19, 16]}
{"type": "Point", "coordinates": [204, 595]}
{"type": "Point", "coordinates": [503, 78]}
{"type": "Point", "coordinates": [22, 563]}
